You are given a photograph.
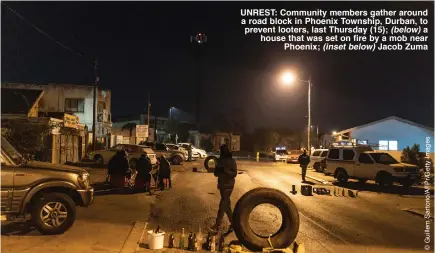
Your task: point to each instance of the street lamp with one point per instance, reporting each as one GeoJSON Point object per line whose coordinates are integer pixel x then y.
{"type": "Point", "coordinates": [289, 78]}
{"type": "Point", "coordinates": [170, 112]}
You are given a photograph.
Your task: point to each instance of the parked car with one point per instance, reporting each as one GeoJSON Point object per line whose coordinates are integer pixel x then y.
{"type": "Point", "coordinates": [294, 156]}
{"type": "Point", "coordinates": [196, 153]}
{"type": "Point", "coordinates": [316, 159]}
{"type": "Point", "coordinates": [49, 193]}
{"type": "Point", "coordinates": [175, 147]}
{"type": "Point", "coordinates": [363, 163]}
{"type": "Point", "coordinates": [280, 155]}
{"type": "Point", "coordinates": [174, 156]}
{"type": "Point", "coordinates": [133, 151]}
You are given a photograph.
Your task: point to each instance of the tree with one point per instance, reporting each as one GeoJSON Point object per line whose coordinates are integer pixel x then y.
{"type": "Point", "coordinates": [129, 126]}
{"type": "Point", "coordinates": [413, 156]}
{"type": "Point", "coordinates": [30, 139]}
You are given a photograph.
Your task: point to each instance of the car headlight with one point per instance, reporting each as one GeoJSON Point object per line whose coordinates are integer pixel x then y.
{"type": "Point", "coordinates": [398, 169]}
{"type": "Point", "coordinates": [83, 180]}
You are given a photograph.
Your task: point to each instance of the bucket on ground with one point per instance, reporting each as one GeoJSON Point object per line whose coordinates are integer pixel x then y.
{"type": "Point", "coordinates": [155, 240]}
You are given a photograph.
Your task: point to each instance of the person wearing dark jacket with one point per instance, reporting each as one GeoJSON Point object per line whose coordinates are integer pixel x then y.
{"type": "Point", "coordinates": [304, 160]}
{"type": "Point", "coordinates": [164, 172]}
{"type": "Point", "coordinates": [144, 167]}
{"type": "Point", "coordinates": [118, 168]}
{"type": "Point", "coordinates": [226, 172]}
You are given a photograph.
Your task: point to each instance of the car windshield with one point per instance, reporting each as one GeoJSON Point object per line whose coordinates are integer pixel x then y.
{"type": "Point", "coordinates": [383, 158]}
{"type": "Point", "coordinates": [11, 152]}
{"type": "Point", "coordinates": [296, 152]}
{"type": "Point", "coordinates": [282, 152]}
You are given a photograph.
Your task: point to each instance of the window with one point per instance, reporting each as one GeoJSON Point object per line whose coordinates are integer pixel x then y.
{"type": "Point", "coordinates": [116, 148]}
{"type": "Point", "coordinates": [334, 154]}
{"type": "Point", "coordinates": [388, 145]}
{"type": "Point", "coordinates": [392, 145]}
{"type": "Point", "coordinates": [365, 158]}
{"type": "Point", "coordinates": [316, 153]}
{"type": "Point", "coordinates": [160, 147]}
{"type": "Point", "coordinates": [324, 153]}
{"type": "Point", "coordinates": [383, 158]}
{"type": "Point", "coordinates": [348, 154]}
{"type": "Point", "coordinates": [383, 145]}
{"type": "Point", "coordinates": [130, 149]}
{"type": "Point", "coordinates": [74, 105]}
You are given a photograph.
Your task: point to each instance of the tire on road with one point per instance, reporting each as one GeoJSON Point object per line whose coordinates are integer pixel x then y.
{"type": "Point", "coordinates": [98, 159]}
{"type": "Point", "coordinates": [176, 160]}
{"type": "Point", "coordinates": [64, 203]}
{"type": "Point", "coordinates": [316, 166]}
{"type": "Point", "coordinates": [384, 179]}
{"type": "Point", "coordinates": [286, 234]}
{"type": "Point", "coordinates": [342, 176]}
{"type": "Point", "coordinates": [214, 158]}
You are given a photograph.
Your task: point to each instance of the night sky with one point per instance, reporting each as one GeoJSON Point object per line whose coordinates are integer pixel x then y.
{"type": "Point", "coordinates": [145, 47]}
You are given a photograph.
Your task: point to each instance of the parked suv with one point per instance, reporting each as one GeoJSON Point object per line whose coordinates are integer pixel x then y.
{"type": "Point", "coordinates": [49, 193]}
{"type": "Point", "coordinates": [316, 159]}
{"type": "Point", "coordinates": [363, 163]}
{"type": "Point", "coordinates": [174, 156]}
{"type": "Point", "coordinates": [133, 151]}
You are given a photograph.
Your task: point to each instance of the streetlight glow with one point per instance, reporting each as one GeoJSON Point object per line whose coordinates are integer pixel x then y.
{"type": "Point", "coordinates": [334, 133]}
{"type": "Point", "coordinates": [288, 78]}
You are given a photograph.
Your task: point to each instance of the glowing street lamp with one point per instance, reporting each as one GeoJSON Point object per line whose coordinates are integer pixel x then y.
{"type": "Point", "coordinates": [288, 78]}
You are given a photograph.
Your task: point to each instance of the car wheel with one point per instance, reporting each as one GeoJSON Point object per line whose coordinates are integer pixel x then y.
{"type": "Point", "coordinates": [176, 160]}
{"type": "Point", "coordinates": [133, 163]}
{"type": "Point", "coordinates": [53, 213]}
{"type": "Point", "coordinates": [342, 176]}
{"type": "Point", "coordinates": [384, 179]}
{"type": "Point", "coordinates": [290, 219]}
{"type": "Point", "coordinates": [407, 183]}
{"type": "Point", "coordinates": [98, 159]}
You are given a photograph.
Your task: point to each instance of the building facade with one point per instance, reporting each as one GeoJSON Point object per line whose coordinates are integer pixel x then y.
{"type": "Point", "coordinates": [391, 134]}
{"type": "Point", "coordinates": [75, 100]}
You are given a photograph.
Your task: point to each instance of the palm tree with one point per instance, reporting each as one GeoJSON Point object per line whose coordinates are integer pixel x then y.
{"type": "Point", "coordinates": [130, 126]}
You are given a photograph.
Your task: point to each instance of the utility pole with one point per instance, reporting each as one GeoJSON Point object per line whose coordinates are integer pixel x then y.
{"type": "Point", "coordinates": [148, 113]}
{"type": "Point", "coordinates": [96, 79]}
{"type": "Point", "coordinates": [198, 40]}
{"type": "Point", "coordinates": [309, 116]}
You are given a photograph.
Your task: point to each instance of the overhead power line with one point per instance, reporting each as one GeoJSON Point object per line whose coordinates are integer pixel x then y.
{"type": "Point", "coordinates": [41, 31]}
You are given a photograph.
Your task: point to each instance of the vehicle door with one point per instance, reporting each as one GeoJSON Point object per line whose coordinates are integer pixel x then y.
{"type": "Point", "coordinates": [365, 167]}
{"type": "Point", "coordinates": [7, 171]}
{"type": "Point", "coordinates": [314, 158]}
{"type": "Point", "coordinates": [348, 161]}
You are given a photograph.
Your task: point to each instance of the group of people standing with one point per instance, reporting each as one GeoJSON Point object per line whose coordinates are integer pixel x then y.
{"type": "Point", "coordinates": [119, 169]}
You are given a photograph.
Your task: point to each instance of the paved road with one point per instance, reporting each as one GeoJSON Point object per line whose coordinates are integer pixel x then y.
{"type": "Point", "coordinates": [370, 223]}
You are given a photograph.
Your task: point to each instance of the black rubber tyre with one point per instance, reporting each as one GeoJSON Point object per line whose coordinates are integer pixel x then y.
{"type": "Point", "coordinates": [214, 158]}
{"type": "Point", "coordinates": [288, 231]}
{"type": "Point", "coordinates": [133, 162]}
{"type": "Point", "coordinates": [342, 176]}
{"type": "Point", "coordinates": [98, 159]}
{"type": "Point", "coordinates": [39, 208]}
{"type": "Point", "coordinates": [176, 160]}
{"type": "Point", "coordinates": [384, 179]}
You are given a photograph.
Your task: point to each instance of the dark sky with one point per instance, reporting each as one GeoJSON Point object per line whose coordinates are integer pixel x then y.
{"type": "Point", "coordinates": [145, 47]}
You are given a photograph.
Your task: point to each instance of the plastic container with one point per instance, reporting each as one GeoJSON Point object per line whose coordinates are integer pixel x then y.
{"type": "Point", "coordinates": [155, 241]}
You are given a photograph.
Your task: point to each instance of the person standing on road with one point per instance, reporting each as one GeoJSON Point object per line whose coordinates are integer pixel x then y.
{"type": "Point", "coordinates": [165, 172]}
{"type": "Point", "coordinates": [304, 160]}
{"type": "Point", "coordinates": [144, 168]}
{"type": "Point", "coordinates": [189, 153]}
{"type": "Point", "coordinates": [118, 168]}
{"type": "Point", "coordinates": [226, 172]}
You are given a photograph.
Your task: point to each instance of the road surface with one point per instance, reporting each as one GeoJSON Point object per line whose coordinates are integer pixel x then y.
{"type": "Point", "coordinates": [373, 222]}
